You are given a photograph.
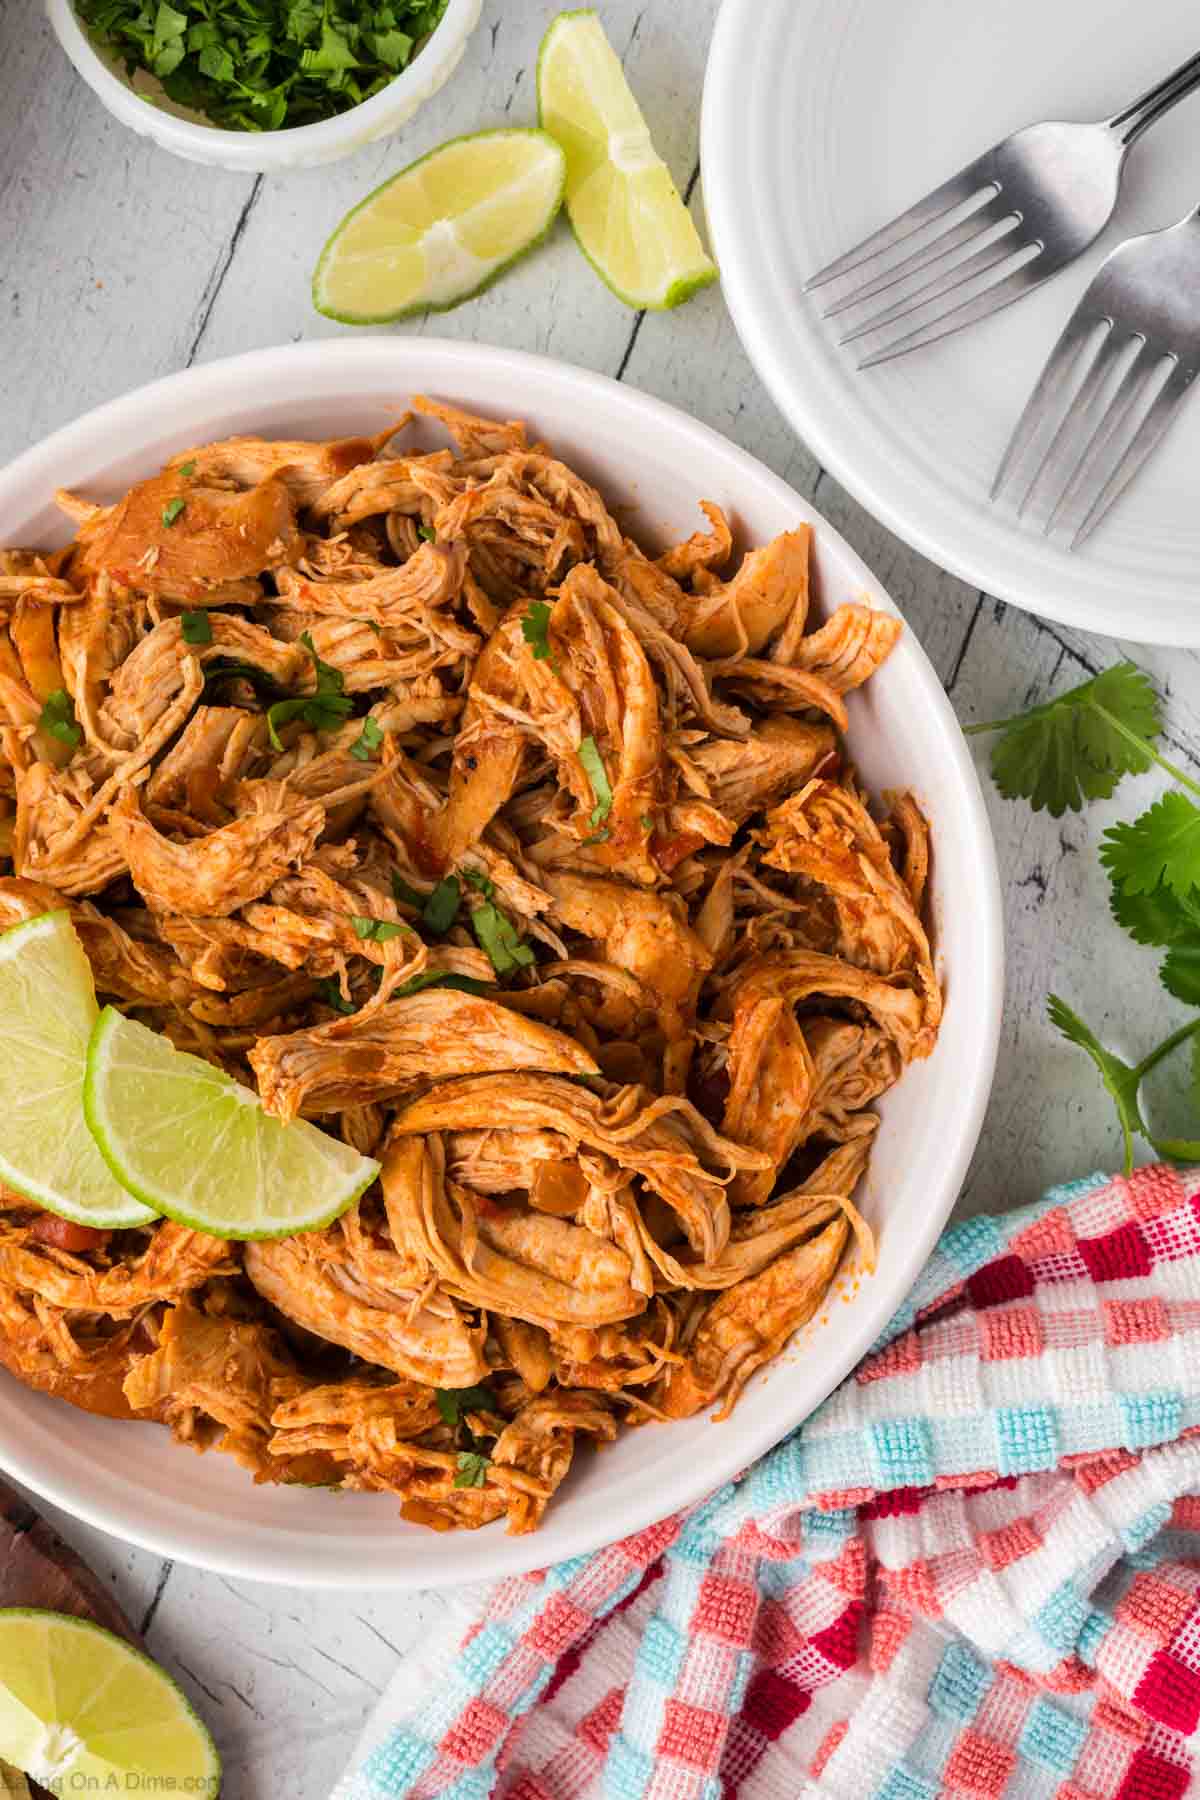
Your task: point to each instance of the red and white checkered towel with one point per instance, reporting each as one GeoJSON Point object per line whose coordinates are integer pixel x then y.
{"type": "Point", "coordinates": [973, 1573]}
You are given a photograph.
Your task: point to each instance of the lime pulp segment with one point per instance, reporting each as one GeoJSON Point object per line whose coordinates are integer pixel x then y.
{"type": "Point", "coordinates": [624, 208]}
{"type": "Point", "coordinates": [48, 1005]}
{"type": "Point", "coordinates": [442, 229]}
{"type": "Point", "coordinates": [82, 1709]}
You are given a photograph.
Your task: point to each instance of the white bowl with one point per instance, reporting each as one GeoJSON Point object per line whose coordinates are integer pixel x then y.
{"type": "Point", "coordinates": [303, 147]}
{"type": "Point", "coordinates": [655, 463]}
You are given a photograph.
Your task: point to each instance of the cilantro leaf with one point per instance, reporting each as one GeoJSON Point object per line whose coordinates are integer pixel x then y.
{"type": "Point", "coordinates": [1067, 751]}
{"type": "Point", "coordinates": [593, 768]}
{"type": "Point", "coordinates": [440, 908]}
{"type": "Point", "coordinates": [428, 533]}
{"type": "Point", "coordinates": [58, 718]}
{"type": "Point", "coordinates": [472, 1469]}
{"type": "Point", "coordinates": [1121, 1080]}
{"type": "Point", "coordinates": [1180, 971]}
{"type": "Point", "coordinates": [404, 894]}
{"type": "Point", "coordinates": [444, 978]}
{"type": "Point", "coordinates": [368, 739]}
{"type": "Point", "coordinates": [189, 467]}
{"type": "Point", "coordinates": [329, 991]}
{"type": "Point", "coordinates": [323, 709]}
{"type": "Point", "coordinates": [452, 1403]}
{"type": "Point", "coordinates": [196, 627]}
{"type": "Point", "coordinates": [1160, 917]}
{"type": "Point", "coordinates": [378, 931]}
{"type": "Point", "coordinates": [172, 510]}
{"type": "Point", "coordinates": [1160, 848]}
{"type": "Point", "coordinates": [498, 936]}
{"type": "Point", "coordinates": [535, 629]}
{"type": "Point", "coordinates": [478, 879]}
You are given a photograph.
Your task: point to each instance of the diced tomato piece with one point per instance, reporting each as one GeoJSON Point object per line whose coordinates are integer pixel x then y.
{"type": "Point", "coordinates": [64, 1234]}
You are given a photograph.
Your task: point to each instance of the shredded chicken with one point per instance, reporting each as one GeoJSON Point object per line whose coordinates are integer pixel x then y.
{"type": "Point", "coordinates": [407, 789]}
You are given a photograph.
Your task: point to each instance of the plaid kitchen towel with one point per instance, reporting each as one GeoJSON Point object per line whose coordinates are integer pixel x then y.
{"type": "Point", "coordinates": [973, 1572]}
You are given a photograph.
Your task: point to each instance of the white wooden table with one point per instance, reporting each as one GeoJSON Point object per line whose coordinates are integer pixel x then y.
{"type": "Point", "coordinates": [119, 264]}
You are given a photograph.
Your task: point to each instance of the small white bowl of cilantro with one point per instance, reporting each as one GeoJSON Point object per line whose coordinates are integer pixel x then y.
{"type": "Point", "coordinates": [264, 84]}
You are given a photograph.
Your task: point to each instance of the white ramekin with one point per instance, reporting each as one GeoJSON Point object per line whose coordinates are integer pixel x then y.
{"type": "Point", "coordinates": [304, 146]}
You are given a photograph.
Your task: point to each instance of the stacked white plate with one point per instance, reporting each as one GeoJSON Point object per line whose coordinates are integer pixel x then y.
{"type": "Point", "coordinates": [823, 119]}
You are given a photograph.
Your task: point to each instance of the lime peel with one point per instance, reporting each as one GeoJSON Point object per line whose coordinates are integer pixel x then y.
{"type": "Point", "coordinates": [197, 1145]}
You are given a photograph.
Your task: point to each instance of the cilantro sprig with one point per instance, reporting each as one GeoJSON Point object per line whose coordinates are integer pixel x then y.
{"type": "Point", "coordinates": [264, 65]}
{"type": "Point", "coordinates": [323, 709]}
{"type": "Point", "coordinates": [1077, 747]}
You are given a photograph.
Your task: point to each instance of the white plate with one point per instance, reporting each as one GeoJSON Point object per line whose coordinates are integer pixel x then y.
{"type": "Point", "coordinates": [131, 1479]}
{"type": "Point", "coordinates": [825, 118]}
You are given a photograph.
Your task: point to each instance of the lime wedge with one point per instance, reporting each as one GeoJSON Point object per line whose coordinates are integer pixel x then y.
{"type": "Point", "coordinates": [48, 1005]}
{"type": "Point", "coordinates": [83, 1711]}
{"type": "Point", "coordinates": [443, 229]}
{"type": "Point", "coordinates": [196, 1145]}
{"type": "Point", "coordinates": [625, 210]}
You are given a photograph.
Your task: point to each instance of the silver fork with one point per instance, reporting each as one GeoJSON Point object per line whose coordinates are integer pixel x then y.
{"type": "Point", "coordinates": [1013, 217]}
{"type": "Point", "coordinates": [1112, 384]}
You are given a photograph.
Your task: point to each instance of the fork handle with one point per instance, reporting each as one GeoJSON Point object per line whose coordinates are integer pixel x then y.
{"type": "Point", "coordinates": [1150, 106]}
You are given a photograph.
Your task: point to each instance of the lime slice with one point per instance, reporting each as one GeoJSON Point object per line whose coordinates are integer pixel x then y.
{"type": "Point", "coordinates": [625, 209]}
{"type": "Point", "coordinates": [83, 1711]}
{"type": "Point", "coordinates": [48, 1005]}
{"type": "Point", "coordinates": [443, 229]}
{"type": "Point", "coordinates": [196, 1145]}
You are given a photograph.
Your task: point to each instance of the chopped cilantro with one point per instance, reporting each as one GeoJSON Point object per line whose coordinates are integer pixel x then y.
{"type": "Point", "coordinates": [189, 467]}
{"type": "Point", "coordinates": [593, 768]}
{"type": "Point", "coordinates": [377, 931]}
{"type": "Point", "coordinates": [647, 822]}
{"type": "Point", "coordinates": [323, 710]}
{"type": "Point", "coordinates": [368, 739]}
{"type": "Point", "coordinates": [458, 984]}
{"type": "Point", "coordinates": [535, 629]}
{"type": "Point", "coordinates": [172, 510]}
{"type": "Point", "coordinates": [472, 1469]}
{"type": "Point", "coordinates": [404, 894]}
{"type": "Point", "coordinates": [478, 879]}
{"type": "Point", "coordinates": [452, 1403]}
{"type": "Point", "coordinates": [58, 718]}
{"type": "Point", "coordinates": [196, 627]}
{"type": "Point", "coordinates": [598, 837]}
{"type": "Point", "coordinates": [428, 533]}
{"type": "Point", "coordinates": [265, 65]}
{"type": "Point", "coordinates": [497, 935]}
{"type": "Point", "coordinates": [329, 991]}
{"type": "Point", "coordinates": [440, 908]}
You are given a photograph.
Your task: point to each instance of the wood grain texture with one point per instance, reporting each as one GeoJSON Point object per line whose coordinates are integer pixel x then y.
{"type": "Point", "coordinates": [118, 264]}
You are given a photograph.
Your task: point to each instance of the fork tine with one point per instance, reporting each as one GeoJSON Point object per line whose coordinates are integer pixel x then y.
{"type": "Point", "coordinates": [1080, 423]}
{"type": "Point", "coordinates": [935, 251]}
{"type": "Point", "coordinates": [935, 205]}
{"type": "Point", "coordinates": [999, 293]}
{"type": "Point", "coordinates": [992, 255]}
{"type": "Point", "coordinates": [1139, 447]}
{"type": "Point", "coordinates": [1059, 364]}
{"type": "Point", "coordinates": [1094, 433]}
